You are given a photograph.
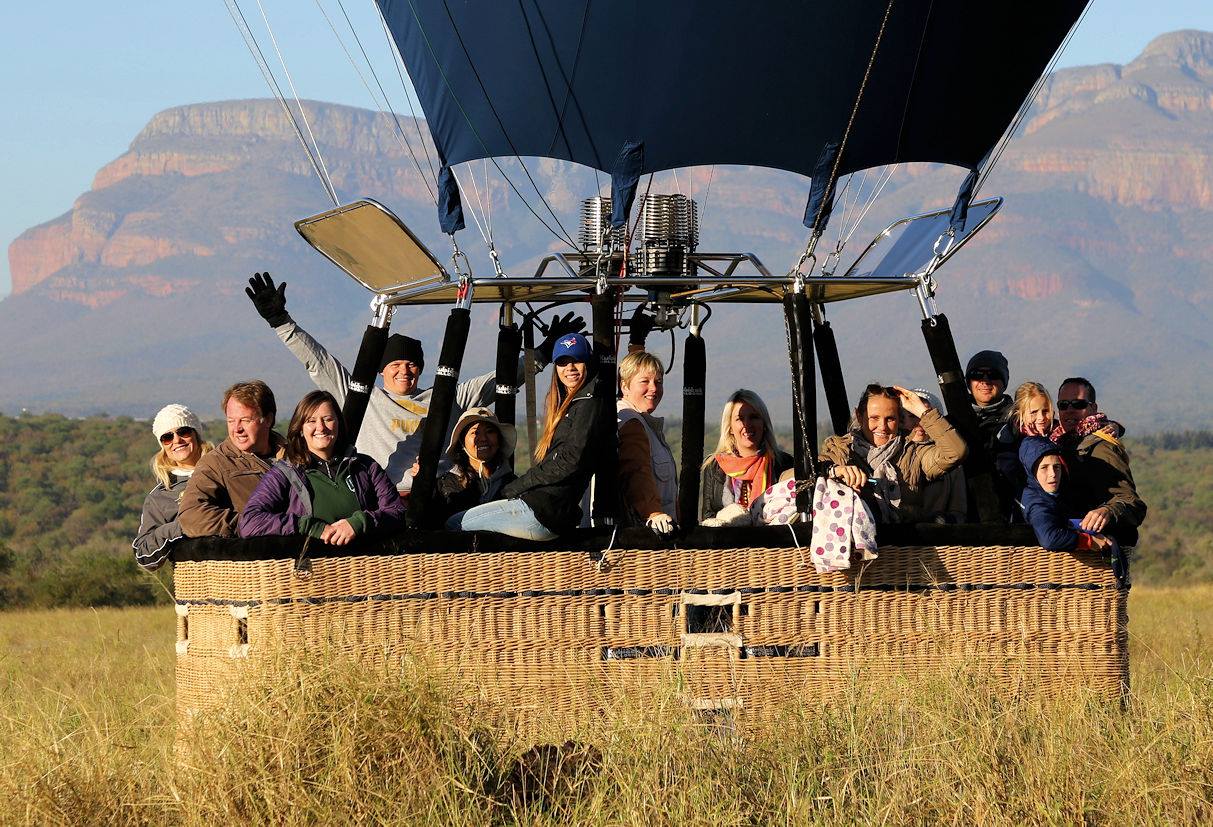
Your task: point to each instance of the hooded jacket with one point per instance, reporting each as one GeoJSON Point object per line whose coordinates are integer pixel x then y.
{"type": "Point", "coordinates": [918, 463]}
{"type": "Point", "coordinates": [553, 487]}
{"type": "Point", "coordinates": [283, 499]}
{"type": "Point", "coordinates": [221, 484]}
{"type": "Point", "coordinates": [1048, 514]}
{"type": "Point", "coordinates": [1101, 478]}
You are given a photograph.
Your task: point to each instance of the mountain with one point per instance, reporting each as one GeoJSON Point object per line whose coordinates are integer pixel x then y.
{"type": "Point", "coordinates": [1099, 263]}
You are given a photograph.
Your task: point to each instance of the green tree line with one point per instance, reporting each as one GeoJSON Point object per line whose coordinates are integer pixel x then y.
{"type": "Point", "coordinates": [71, 492]}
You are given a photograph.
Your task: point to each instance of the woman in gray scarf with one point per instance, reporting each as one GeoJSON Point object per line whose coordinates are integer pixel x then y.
{"type": "Point", "coordinates": [877, 460]}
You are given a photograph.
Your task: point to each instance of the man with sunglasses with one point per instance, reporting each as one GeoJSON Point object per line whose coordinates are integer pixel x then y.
{"type": "Point", "coordinates": [1101, 480]}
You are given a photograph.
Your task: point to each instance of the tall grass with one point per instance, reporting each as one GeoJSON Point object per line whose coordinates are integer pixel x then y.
{"type": "Point", "coordinates": [89, 736]}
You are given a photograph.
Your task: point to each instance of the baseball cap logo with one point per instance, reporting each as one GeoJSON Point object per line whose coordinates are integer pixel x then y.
{"type": "Point", "coordinates": [569, 342]}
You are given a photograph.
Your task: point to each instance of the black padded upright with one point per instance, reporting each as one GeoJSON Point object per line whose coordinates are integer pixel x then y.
{"type": "Point", "coordinates": [362, 380]}
{"type": "Point", "coordinates": [433, 433]}
{"type": "Point", "coordinates": [694, 380]}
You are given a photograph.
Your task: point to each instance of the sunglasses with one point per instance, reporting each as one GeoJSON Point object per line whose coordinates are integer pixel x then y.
{"type": "Point", "coordinates": [1076, 404]}
{"type": "Point", "coordinates": [184, 433]}
{"type": "Point", "coordinates": [984, 376]}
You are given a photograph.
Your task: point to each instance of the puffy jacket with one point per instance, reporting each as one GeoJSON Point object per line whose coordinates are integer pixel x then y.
{"type": "Point", "coordinates": [1048, 514]}
{"type": "Point", "coordinates": [1100, 478]}
{"type": "Point", "coordinates": [918, 463]}
{"type": "Point", "coordinates": [553, 487]}
{"type": "Point", "coordinates": [222, 482]}
{"type": "Point", "coordinates": [283, 498]}
{"type": "Point", "coordinates": [158, 525]}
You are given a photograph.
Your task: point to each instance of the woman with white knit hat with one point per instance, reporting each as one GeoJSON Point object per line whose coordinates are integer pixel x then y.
{"type": "Point", "coordinates": [181, 446]}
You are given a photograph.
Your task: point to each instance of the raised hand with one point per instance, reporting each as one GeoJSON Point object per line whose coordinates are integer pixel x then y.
{"type": "Point", "coordinates": [269, 300]}
{"type": "Point", "coordinates": [560, 326]}
{"type": "Point", "coordinates": [911, 401]}
{"type": "Point", "coordinates": [640, 324]}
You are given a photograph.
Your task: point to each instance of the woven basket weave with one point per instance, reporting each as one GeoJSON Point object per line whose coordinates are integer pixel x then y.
{"type": "Point", "coordinates": [556, 633]}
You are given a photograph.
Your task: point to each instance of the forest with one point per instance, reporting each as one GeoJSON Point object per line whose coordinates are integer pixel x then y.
{"type": "Point", "coordinates": [71, 491]}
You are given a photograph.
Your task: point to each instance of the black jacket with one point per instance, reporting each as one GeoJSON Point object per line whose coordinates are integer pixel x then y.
{"type": "Point", "coordinates": [711, 485]}
{"type": "Point", "coordinates": [458, 491]}
{"type": "Point", "coordinates": [553, 487]}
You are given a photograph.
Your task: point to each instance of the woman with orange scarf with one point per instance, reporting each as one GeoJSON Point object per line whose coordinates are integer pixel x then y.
{"type": "Point", "coordinates": [747, 458]}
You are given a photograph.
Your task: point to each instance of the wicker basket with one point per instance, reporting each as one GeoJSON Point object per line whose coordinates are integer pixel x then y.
{"type": "Point", "coordinates": [557, 633]}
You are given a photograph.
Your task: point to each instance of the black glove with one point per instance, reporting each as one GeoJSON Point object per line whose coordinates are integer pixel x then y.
{"type": "Point", "coordinates": [560, 326]}
{"type": "Point", "coordinates": [640, 325]}
{"type": "Point", "coordinates": [270, 301]}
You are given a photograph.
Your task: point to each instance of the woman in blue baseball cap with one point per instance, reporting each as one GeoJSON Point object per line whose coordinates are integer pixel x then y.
{"type": "Point", "coordinates": [546, 500]}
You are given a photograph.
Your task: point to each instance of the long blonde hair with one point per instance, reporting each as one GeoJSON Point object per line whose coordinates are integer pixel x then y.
{"type": "Point", "coordinates": [162, 466]}
{"type": "Point", "coordinates": [554, 408]}
{"type": "Point", "coordinates": [1024, 395]}
{"type": "Point", "coordinates": [726, 444]}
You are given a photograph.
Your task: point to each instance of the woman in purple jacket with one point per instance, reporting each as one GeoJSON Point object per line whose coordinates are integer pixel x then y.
{"type": "Point", "coordinates": [324, 489]}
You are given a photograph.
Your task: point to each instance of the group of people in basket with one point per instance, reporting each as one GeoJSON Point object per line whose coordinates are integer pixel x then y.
{"type": "Point", "coordinates": [1060, 467]}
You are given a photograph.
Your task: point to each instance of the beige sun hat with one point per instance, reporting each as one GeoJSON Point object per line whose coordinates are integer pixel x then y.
{"type": "Point", "coordinates": [470, 417]}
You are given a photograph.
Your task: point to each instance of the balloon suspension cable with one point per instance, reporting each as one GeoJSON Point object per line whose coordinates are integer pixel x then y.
{"type": "Point", "coordinates": [1028, 101]}
{"type": "Point", "coordinates": [381, 100]}
{"type": "Point", "coordinates": [254, 48]}
{"type": "Point", "coordinates": [401, 71]}
{"type": "Point", "coordinates": [563, 235]}
{"type": "Point", "coordinates": [808, 255]}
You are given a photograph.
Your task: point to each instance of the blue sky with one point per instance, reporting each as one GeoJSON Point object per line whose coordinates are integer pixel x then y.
{"type": "Point", "coordinates": [82, 78]}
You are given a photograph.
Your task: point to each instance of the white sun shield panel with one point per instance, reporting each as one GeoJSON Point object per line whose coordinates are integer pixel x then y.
{"type": "Point", "coordinates": [370, 243]}
{"type": "Point", "coordinates": [907, 247]}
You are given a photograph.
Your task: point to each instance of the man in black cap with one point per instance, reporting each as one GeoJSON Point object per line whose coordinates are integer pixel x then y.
{"type": "Point", "coordinates": [988, 374]}
{"type": "Point", "coordinates": [391, 428]}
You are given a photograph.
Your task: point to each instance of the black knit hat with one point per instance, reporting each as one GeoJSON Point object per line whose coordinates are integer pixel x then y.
{"type": "Point", "coordinates": [402, 347]}
{"type": "Point", "coordinates": [989, 360]}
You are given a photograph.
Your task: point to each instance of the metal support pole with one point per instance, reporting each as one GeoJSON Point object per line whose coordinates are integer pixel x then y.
{"type": "Point", "coordinates": [979, 468]}
{"type": "Point", "coordinates": [694, 375]}
{"type": "Point", "coordinates": [366, 365]}
{"type": "Point", "coordinates": [433, 432]}
{"type": "Point", "coordinates": [831, 376]}
{"type": "Point", "coordinates": [606, 435]}
{"type": "Point", "coordinates": [789, 315]}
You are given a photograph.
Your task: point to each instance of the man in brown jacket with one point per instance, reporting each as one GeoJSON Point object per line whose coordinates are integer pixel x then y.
{"type": "Point", "coordinates": [1101, 481]}
{"type": "Point", "coordinates": [224, 479]}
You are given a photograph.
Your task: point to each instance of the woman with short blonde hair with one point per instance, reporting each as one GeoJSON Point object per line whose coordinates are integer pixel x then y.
{"type": "Point", "coordinates": [648, 475]}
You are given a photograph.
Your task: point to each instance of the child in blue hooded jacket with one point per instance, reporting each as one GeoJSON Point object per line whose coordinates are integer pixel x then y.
{"type": "Point", "coordinates": [1045, 505]}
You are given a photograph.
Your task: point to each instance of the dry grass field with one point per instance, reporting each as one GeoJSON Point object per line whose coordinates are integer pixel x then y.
{"type": "Point", "coordinates": [88, 735]}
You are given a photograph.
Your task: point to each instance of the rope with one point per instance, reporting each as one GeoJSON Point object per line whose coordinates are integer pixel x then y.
{"type": "Point", "coordinates": [430, 48]}
{"type": "Point", "coordinates": [250, 42]}
{"type": "Point", "coordinates": [401, 69]}
{"type": "Point", "coordinates": [1026, 106]}
{"type": "Point", "coordinates": [846, 135]}
{"type": "Point", "coordinates": [327, 179]}
{"type": "Point", "coordinates": [376, 102]}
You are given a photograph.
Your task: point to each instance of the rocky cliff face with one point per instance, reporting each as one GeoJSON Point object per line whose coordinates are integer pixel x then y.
{"type": "Point", "coordinates": [1101, 260]}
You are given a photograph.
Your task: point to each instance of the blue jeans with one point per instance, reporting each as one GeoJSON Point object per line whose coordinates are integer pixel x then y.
{"type": "Point", "coordinates": [513, 518]}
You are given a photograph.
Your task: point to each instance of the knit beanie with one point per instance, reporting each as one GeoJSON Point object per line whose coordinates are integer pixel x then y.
{"type": "Point", "coordinates": [990, 360]}
{"type": "Point", "coordinates": [174, 416]}
{"type": "Point", "coordinates": [928, 397]}
{"type": "Point", "coordinates": [400, 347]}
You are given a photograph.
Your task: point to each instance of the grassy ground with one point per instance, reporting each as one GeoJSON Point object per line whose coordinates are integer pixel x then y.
{"type": "Point", "coordinates": [87, 735]}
